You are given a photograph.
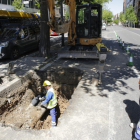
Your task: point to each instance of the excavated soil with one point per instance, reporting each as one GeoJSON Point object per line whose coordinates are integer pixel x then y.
{"type": "Point", "coordinates": [16, 109]}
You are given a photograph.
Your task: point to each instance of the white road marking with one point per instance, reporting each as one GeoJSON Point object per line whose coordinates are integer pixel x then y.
{"type": "Point", "coordinates": [111, 131]}
{"type": "Point", "coordinates": [130, 31]}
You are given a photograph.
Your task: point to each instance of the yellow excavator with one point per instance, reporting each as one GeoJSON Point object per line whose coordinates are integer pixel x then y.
{"type": "Point", "coordinates": [84, 30]}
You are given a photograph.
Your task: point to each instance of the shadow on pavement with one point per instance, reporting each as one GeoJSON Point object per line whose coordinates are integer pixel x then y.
{"type": "Point", "coordinates": [116, 69]}
{"type": "Point", "coordinates": [133, 111]}
{"type": "Point", "coordinates": [26, 61]}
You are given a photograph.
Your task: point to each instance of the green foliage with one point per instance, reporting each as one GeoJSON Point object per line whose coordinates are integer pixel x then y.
{"type": "Point", "coordinates": [67, 13]}
{"type": "Point", "coordinates": [17, 4]}
{"type": "Point", "coordinates": [79, 2]}
{"type": "Point", "coordinates": [130, 14]}
{"type": "Point", "coordinates": [122, 17]}
{"type": "Point", "coordinates": [109, 20]}
{"type": "Point", "coordinates": [81, 16]}
{"type": "Point", "coordinates": [37, 4]}
{"type": "Point", "coordinates": [107, 15]}
{"type": "Point", "coordinates": [116, 21]}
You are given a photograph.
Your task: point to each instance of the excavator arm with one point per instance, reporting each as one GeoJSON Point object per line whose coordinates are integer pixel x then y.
{"type": "Point", "coordinates": [72, 32]}
{"type": "Point", "coordinates": [62, 26]}
{"type": "Point", "coordinates": [51, 6]}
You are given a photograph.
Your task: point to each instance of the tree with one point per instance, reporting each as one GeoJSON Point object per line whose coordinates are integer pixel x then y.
{"type": "Point", "coordinates": [130, 14]}
{"type": "Point", "coordinates": [116, 21]}
{"type": "Point", "coordinates": [122, 17]}
{"type": "Point", "coordinates": [107, 16]}
{"type": "Point", "coordinates": [67, 13]}
{"type": "Point", "coordinates": [44, 47]}
{"type": "Point", "coordinates": [37, 4]}
{"type": "Point", "coordinates": [17, 4]}
{"type": "Point", "coordinates": [79, 2]}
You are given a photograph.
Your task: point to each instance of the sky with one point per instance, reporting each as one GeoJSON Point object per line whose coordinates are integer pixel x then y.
{"type": "Point", "coordinates": [116, 6]}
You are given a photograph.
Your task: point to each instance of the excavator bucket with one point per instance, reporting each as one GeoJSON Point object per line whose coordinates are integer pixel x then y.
{"type": "Point", "coordinates": [62, 28]}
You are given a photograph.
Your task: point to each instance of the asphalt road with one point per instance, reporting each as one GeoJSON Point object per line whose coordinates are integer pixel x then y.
{"type": "Point", "coordinates": [123, 81]}
{"type": "Point", "coordinates": [130, 36]}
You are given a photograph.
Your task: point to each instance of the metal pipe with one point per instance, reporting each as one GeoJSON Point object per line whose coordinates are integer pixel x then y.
{"type": "Point", "coordinates": [62, 21]}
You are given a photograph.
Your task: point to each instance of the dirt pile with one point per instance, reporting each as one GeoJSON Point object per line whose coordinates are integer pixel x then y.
{"type": "Point", "coordinates": [17, 111]}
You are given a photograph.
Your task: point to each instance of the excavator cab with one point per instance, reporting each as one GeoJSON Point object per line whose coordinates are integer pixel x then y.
{"type": "Point", "coordinates": [84, 31]}
{"type": "Point", "coordinates": [89, 21]}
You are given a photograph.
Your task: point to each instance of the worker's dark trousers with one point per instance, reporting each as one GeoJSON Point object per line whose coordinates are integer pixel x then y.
{"type": "Point", "coordinates": [53, 116]}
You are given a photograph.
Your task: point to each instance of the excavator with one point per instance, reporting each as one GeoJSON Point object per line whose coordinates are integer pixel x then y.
{"type": "Point", "coordinates": [84, 30]}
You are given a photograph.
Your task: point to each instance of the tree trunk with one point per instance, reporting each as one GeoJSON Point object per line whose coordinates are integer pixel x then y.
{"type": "Point", "coordinates": [44, 47]}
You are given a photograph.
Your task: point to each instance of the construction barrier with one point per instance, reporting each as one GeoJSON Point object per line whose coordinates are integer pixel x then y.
{"type": "Point", "coordinates": [127, 49]}
{"type": "Point", "coordinates": [130, 63]}
{"type": "Point", "coordinates": [123, 45]}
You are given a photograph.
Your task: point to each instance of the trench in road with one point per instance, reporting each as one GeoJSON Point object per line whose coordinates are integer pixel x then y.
{"type": "Point", "coordinates": [17, 111]}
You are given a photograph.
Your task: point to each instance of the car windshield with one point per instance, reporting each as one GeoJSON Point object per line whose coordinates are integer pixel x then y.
{"type": "Point", "coordinates": [103, 24]}
{"type": "Point", "coordinates": [9, 32]}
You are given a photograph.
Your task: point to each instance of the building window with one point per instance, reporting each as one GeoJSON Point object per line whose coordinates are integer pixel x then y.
{"type": "Point", "coordinates": [4, 1]}
{"type": "Point", "coordinates": [9, 2]}
{"type": "Point", "coordinates": [31, 4]}
{"type": "Point", "coordinates": [139, 13]}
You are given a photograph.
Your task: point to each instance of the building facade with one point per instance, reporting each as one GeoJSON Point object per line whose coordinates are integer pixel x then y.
{"type": "Point", "coordinates": [137, 8]}
{"type": "Point", "coordinates": [124, 6]}
{"type": "Point", "coordinates": [129, 2]}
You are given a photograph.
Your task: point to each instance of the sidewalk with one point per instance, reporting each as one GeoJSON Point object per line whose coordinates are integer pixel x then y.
{"type": "Point", "coordinates": [26, 63]}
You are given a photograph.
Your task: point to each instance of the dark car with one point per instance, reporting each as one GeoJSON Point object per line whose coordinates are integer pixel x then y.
{"type": "Point", "coordinates": [16, 40]}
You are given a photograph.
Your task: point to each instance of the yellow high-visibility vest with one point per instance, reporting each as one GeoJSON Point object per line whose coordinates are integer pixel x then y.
{"type": "Point", "coordinates": [53, 102]}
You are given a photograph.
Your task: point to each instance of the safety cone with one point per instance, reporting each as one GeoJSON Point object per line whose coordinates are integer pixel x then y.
{"type": "Point", "coordinates": [130, 63]}
{"type": "Point", "coordinates": [123, 45]}
{"type": "Point", "coordinates": [120, 42]}
{"type": "Point", "coordinates": [118, 38]}
{"type": "Point", "coordinates": [127, 49]}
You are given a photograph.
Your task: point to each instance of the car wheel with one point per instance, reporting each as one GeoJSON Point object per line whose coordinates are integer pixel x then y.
{"type": "Point", "coordinates": [14, 53]}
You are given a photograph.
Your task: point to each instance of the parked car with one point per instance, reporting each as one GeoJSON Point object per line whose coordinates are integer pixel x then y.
{"type": "Point", "coordinates": [109, 24]}
{"type": "Point", "coordinates": [18, 39]}
{"type": "Point", "coordinates": [54, 33]}
{"type": "Point", "coordinates": [103, 26]}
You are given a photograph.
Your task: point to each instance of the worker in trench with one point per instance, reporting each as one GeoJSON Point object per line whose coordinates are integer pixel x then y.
{"type": "Point", "coordinates": [50, 101]}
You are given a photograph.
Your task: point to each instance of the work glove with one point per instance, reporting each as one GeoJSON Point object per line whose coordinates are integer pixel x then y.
{"type": "Point", "coordinates": [43, 105]}
{"type": "Point", "coordinates": [41, 98]}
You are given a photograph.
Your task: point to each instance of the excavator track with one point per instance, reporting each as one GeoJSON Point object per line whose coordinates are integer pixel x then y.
{"type": "Point", "coordinates": [98, 51]}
